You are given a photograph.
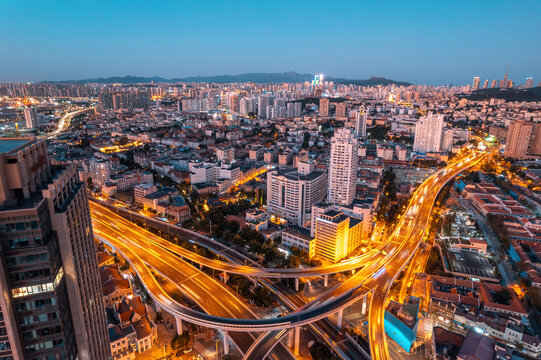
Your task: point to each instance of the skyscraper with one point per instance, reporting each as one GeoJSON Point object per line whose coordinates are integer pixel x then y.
{"type": "Point", "coordinates": [343, 166]}
{"type": "Point", "coordinates": [529, 82]}
{"type": "Point", "coordinates": [518, 139]}
{"type": "Point", "coordinates": [506, 77]}
{"type": "Point", "coordinates": [360, 122]}
{"type": "Point", "coordinates": [324, 107]}
{"type": "Point", "coordinates": [52, 306]}
{"type": "Point", "coordinates": [31, 118]}
{"type": "Point", "coordinates": [476, 82]}
{"type": "Point", "coordinates": [428, 133]}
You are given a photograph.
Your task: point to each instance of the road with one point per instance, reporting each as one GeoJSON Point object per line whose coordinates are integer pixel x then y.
{"type": "Point", "coordinates": [352, 263]}
{"type": "Point", "coordinates": [64, 123]}
{"type": "Point", "coordinates": [209, 294]}
{"type": "Point", "coordinates": [399, 249]}
{"type": "Point", "coordinates": [413, 226]}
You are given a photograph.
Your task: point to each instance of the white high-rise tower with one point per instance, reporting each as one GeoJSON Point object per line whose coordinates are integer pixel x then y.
{"type": "Point", "coordinates": [428, 132]}
{"type": "Point", "coordinates": [343, 166]}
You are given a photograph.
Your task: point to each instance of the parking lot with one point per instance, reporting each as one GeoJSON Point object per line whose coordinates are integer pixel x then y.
{"type": "Point", "coordinates": [471, 263]}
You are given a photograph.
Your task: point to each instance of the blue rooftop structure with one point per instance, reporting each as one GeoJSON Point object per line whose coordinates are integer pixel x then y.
{"type": "Point", "coordinates": [403, 332]}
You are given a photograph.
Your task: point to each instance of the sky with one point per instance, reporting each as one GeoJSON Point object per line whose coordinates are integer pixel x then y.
{"type": "Point", "coordinates": [423, 42]}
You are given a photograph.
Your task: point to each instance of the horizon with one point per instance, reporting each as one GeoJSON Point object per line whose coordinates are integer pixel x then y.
{"type": "Point", "coordinates": [433, 43]}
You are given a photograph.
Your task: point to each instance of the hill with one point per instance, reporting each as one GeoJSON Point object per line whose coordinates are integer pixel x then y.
{"type": "Point", "coordinates": [529, 95]}
{"type": "Point", "coordinates": [261, 78]}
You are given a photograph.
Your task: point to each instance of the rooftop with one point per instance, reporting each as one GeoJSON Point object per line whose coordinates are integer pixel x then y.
{"type": "Point", "coordinates": [9, 144]}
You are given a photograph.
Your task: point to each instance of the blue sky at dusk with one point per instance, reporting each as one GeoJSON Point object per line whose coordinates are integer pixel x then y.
{"type": "Point", "coordinates": [432, 42]}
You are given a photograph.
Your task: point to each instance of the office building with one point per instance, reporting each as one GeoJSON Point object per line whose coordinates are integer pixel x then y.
{"type": "Point", "coordinates": [324, 107]}
{"type": "Point", "coordinates": [518, 139]}
{"type": "Point", "coordinates": [529, 82]}
{"type": "Point", "coordinates": [343, 166]}
{"type": "Point", "coordinates": [291, 194]}
{"type": "Point", "coordinates": [336, 235]}
{"type": "Point", "coordinates": [428, 133]}
{"type": "Point", "coordinates": [52, 305]}
{"type": "Point", "coordinates": [31, 118]}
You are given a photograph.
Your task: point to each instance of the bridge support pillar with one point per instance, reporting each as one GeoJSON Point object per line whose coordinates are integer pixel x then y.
{"type": "Point", "coordinates": [339, 316]}
{"type": "Point", "coordinates": [157, 306]}
{"type": "Point", "coordinates": [297, 340]}
{"type": "Point", "coordinates": [364, 305]}
{"type": "Point", "coordinates": [290, 337]}
{"type": "Point", "coordinates": [296, 284]}
{"type": "Point", "coordinates": [326, 281]}
{"type": "Point", "coordinates": [225, 277]}
{"type": "Point", "coordinates": [179, 325]}
{"type": "Point", "coordinates": [226, 342]}
{"type": "Point", "coordinates": [256, 282]}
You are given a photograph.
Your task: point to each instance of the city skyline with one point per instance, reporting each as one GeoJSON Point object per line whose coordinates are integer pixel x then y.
{"type": "Point", "coordinates": [430, 43]}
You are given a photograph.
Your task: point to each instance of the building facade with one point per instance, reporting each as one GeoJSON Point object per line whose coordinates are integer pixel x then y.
{"type": "Point", "coordinates": [343, 167]}
{"type": "Point", "coordinates": [290, 194]}
{"type": "Point", "coordinates": [52, 305]}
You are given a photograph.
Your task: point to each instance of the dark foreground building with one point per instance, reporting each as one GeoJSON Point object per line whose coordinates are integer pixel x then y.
{"type": "Point", "coordinates": [51, 305]}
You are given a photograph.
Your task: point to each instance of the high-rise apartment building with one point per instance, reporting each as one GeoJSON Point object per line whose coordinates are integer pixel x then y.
{"type": "Point", "coordinates": [52, 305]}
{"type": "Point", "coordinates": [324, 107]}
{"type": "Point", "coordinates": [535, 143]}
{"type": "Point", "coordinates": [100, 171]}
{"type": "Point", "coordinates": [518, 139]}
{"type": "Point", "coordinates": [341, 110]}
{"type": "Point", "coordinates": [31, 118]}
{"type": "Point", "coordinates": [428, 133]}
{"type": "Point", "coordinates": [343, 167]}
{"type": "Point", "coordinates": [111, 100]}
{"type": "Point", "coordinates": [476, 82]}
{"type": "Point", "coordinates": [291, 194]}
{"type": "Point", "coordinates": [360, 122]}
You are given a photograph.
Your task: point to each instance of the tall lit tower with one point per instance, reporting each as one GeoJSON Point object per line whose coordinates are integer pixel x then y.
{"type": "Point", "coordinates": [343, 166]}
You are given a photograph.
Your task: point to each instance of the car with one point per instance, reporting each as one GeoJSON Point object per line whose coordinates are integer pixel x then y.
{"type": "Point", "coordinates": [187, 350]}
{"type": "Point", "coordinates": [311, 343]}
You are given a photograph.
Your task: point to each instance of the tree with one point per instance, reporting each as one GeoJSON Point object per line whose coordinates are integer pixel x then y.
{"type": "Point", "coordinates": [293, 262]}
{"type": "Point", "coordinates": [503, 296]}
{"type": "Point", "coordinates": [180, 341]}
{"type": "Point", "coordinates": [320, 351]}
{"type": "Point", "coordinates": [159, 317]}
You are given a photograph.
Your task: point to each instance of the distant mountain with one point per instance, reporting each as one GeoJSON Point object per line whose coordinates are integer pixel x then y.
{"type": "Point", "coordinates": [261, 78]}
{"type": "Point", "coordinates": [531, 94]}
{"type": "Point", "coordinates": [286, 77]}
{"type": "Point", "coordinates": [370, 82]}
